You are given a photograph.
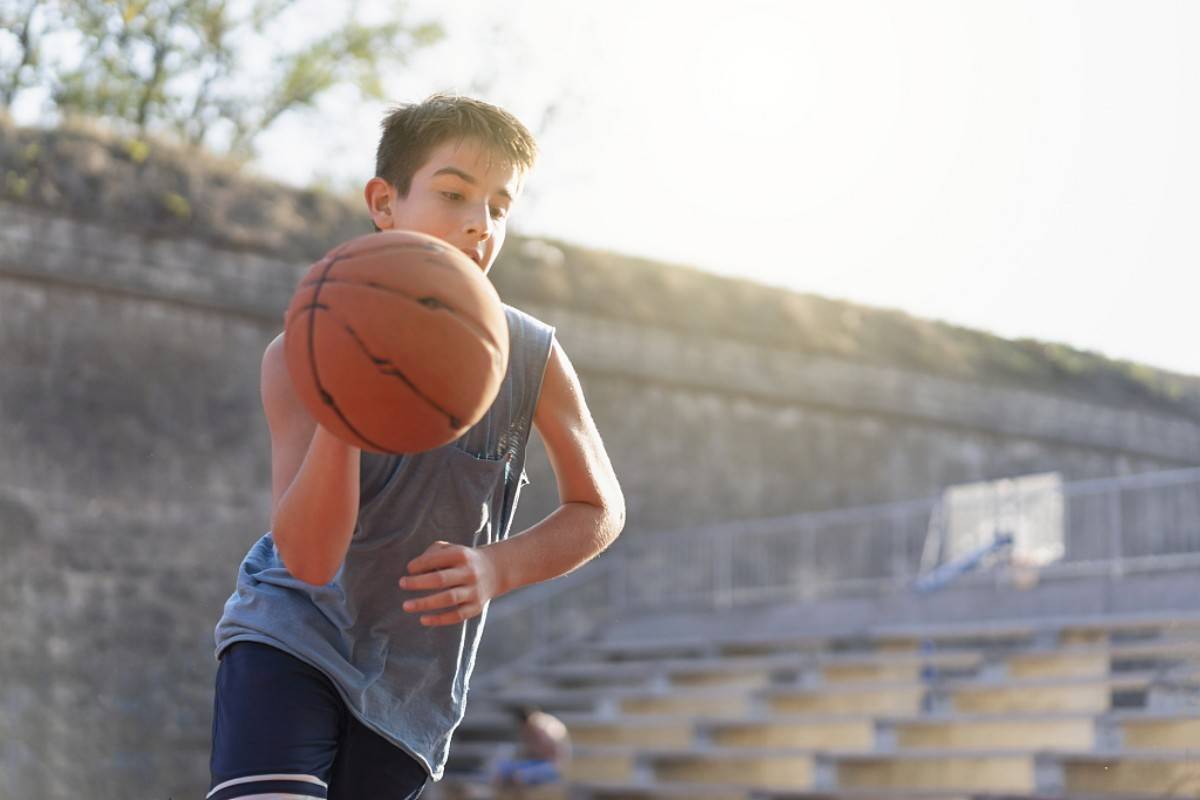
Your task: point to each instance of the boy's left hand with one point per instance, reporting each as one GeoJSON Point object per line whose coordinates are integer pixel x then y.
{"type": "Point", "coordinates": [466, 576]}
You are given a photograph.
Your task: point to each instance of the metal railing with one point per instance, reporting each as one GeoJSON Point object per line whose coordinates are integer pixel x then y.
{"type": "Point", "coordinates": [1113, 526]}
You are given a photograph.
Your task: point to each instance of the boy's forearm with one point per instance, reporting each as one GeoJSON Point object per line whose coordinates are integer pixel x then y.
{"type": "Point", "coordinates": [562, 542]}
{"type": "Point", "coordinates": [315, 517]}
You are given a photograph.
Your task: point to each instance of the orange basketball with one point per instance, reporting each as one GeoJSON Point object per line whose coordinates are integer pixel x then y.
{"type": "Point", "coordinates": [396, 342]}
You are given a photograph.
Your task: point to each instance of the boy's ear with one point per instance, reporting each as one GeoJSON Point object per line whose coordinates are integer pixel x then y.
{"type": "Point", "coordinates": [378, 194]}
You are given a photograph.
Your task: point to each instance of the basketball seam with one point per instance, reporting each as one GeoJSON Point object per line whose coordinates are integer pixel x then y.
{"type": "Point", "coordinates": [394, 371]}
{"type": "Point", "coordinates": [326, 396]}
{"type": "Point", "coordinates": [432, 247]}
{"type": "Point", "coordinates": [463, 319]}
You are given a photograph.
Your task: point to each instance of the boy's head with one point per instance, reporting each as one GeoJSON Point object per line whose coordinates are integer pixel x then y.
{"type": "Point", "coordinates": [451, 167]}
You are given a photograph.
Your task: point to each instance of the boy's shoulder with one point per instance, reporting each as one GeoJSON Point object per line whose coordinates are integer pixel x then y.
{"type": "Point", "coordinates": [522, 324]}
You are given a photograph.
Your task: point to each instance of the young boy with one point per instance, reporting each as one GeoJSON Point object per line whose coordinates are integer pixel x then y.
{"type": "Point", "coordinates": [346, 650]}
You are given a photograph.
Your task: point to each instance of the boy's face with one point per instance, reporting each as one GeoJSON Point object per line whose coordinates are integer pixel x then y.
{"type": "Point", "coordinates": [462, 194]}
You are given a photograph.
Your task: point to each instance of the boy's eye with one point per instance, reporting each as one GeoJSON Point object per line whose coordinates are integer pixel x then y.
{"type": "Point", "coordinates": [499, 213]}
{"type": "Point", "coordinates": [452, 195]}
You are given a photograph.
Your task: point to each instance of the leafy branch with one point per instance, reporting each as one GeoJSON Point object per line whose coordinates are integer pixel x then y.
{"type": "Point", "coordinates": [177, 66]}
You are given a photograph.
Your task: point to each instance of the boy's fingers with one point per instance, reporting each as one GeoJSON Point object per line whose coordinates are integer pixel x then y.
{"type": "Point", "coordinates": [437, 556]}
{"type": "Point", "coordinates": [435, 580]}
{"type": "Point", "coordinates": [460, 614]}
{"type": "Point", "coordinates": [447, 599]}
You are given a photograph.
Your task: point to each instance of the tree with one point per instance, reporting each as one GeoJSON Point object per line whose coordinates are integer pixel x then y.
{"type": "Point", "coordinates": [177, 65]}
{"type": "Point", "coordinates": [24, 24]}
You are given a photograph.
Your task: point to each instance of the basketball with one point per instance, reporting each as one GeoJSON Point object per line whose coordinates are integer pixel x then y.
{"type": "Point", "coordinates": [396, 342]}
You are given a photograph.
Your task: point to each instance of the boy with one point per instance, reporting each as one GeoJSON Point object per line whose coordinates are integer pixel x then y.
{"type": "Point", "coordinates": [346, 650]}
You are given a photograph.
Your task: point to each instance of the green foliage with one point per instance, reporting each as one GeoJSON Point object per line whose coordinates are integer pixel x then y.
{"type": "Point", "coordinates": [177, 66]}
{"type": "Point", "coordinates": [354, 54]}
{"type": "Point", "coordinates": [177, 205]}
{"type": "Point", "coordinates": [16, 185]}
{"type": "Point", "coordinates": [24, 26]}
{"type": "Point", "coordinates": [137, 150]}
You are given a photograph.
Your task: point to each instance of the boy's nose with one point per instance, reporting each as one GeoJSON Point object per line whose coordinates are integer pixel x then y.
{"type": "Point", "coordinates": [479, 225]}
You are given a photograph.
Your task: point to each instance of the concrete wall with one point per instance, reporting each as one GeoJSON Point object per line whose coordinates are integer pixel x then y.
{"type": "Point", "coordinates": [134, 472]}
{"type": "Point", "coordinates": [703, 429]}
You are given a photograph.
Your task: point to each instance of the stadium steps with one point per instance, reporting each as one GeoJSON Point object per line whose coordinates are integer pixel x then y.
{"type": "Point", "coordinates": [780, 667]}
{"type": "Point", "coordinates": [615, 701]}
{"type": "Point", "coordinates": [1150, 689]}
{"type": "Point", "coordinates": [735, 670]}
{"type": "Point", "coordinates": [1164, 773]}
{"type": "Point", "coordinates": [1125, 730]}
{"type": "Point", "coordinates": [1149, 731]}
{"type": "Point", "coordinates": [985, 635]}
{"type": "Point", "coordinates": [1096, 694]}
{"type": "Point", "coordinates": [585, 791]}
{"type": "Point", "coordinates": [883, 698]}
{"type": "Point", "coordinates": [1015, 661]}
{"type": "Point", "coordinates": [1012, 731]}
{"type": "Point", "coordinates": [996, 771]}
{"type": "Point", "coordinates": [1070, 707]}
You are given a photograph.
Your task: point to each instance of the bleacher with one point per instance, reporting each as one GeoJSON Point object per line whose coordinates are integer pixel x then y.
{"type": "Point", "coordinates": [707, 679]}
{"type": "Point", "coordinates": [1096, 706]}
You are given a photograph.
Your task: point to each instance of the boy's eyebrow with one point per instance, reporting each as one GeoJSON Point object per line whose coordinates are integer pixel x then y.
{"type": "Point", "coordinates": [469, 178]}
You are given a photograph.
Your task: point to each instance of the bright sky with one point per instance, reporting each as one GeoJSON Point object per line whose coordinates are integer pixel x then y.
{"type": "Point", "coordinates": [1021, 167]}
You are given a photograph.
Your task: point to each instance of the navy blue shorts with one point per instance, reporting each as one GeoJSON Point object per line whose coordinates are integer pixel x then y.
{"type": "Point", "coordinates": [281, 728]}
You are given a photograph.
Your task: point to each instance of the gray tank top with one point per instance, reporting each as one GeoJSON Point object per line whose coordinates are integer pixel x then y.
{"type": "Point", "coordinates": [403, 680]}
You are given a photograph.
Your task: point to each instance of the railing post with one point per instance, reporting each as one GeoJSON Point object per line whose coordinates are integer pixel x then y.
{"type": "Point", "coordinates": [618, 582]}
{"type": "Point", "coordinates": [897, 566]}
{"type": "Point", "coordinates": [722, 551]}
{"type": "Point", "coordinates": [809, 590]}
{"type": "Point", "coordinates": [1116, 534]}
{"type": "Point", "coordinates": [541, 625]}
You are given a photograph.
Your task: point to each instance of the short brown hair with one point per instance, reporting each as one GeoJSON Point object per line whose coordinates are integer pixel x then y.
{"type": "Point", "coordinates": [412, 130]}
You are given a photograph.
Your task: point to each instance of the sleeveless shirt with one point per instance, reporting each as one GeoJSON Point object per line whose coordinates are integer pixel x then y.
{"type": "Point", "coordinates": [405, 681]}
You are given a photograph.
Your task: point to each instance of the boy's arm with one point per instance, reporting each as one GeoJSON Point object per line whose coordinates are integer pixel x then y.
{"type": "Point", "coordinates": [591, 510]}
{"type": "Point", "coordinates": [590, 515]}
{"type": "Point", "coordinates": [314, 479]}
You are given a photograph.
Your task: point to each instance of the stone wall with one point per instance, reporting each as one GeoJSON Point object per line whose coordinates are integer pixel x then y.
{"type": "Point", "coordinates": [134, 469]}
{"type": "Point", "coordinates": [703, 429]}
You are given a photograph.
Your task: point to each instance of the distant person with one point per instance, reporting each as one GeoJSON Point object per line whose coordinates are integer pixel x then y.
{"type": "Point", "coordinates": [543, 754]}
{"type": "Point", "coordinates": [347, 647]}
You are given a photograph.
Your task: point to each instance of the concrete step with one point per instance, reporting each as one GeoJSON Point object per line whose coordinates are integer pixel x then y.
{"type": "Point", "coordinates": [986, 771]}
{"type": "Point", "coordinates": [827, 732]}
{"type": "Point", "coordinates": [583, 790]}
{"type": "Point", "coordinates": [991, 695]}
{"type": "Point", "coordinates": [996, 771]}
{"type": "Point", "coordinates": [1149, 731]}
{"type": "Point", "coordinates": [756, 670]}
{"type": "Point", "coordinates": [1063, 631]}
{"type": "Point", "coordinates": [1058, 694]}
{"type": "Point", "coordinates": [975, 732]}
{"type": "Point", "coordinates": [902, 697]}
{"type": "Point", "coordinates": [761, 767]}
{"type": "Point", "coordinates": [992, 771]}
{"type": "Point", "coordinates": [735, 636]}
{"type": "Point", "coordinates": [679, 791]}
{"type": "Point", "coordinates": [1163, 773]}
{"type": "Point", "coordinates": [673, 671]}
{"type": "Point", "coordinates": [1101, 659]}
{"type": "Point", "coordinates": [612, 702]}
{"type": "Point", "coordinates": [1125, 731]}
{"type": "Point", "coordinates": [783, 669]}
{"type": "Point", "coordinates": [872, 733]}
